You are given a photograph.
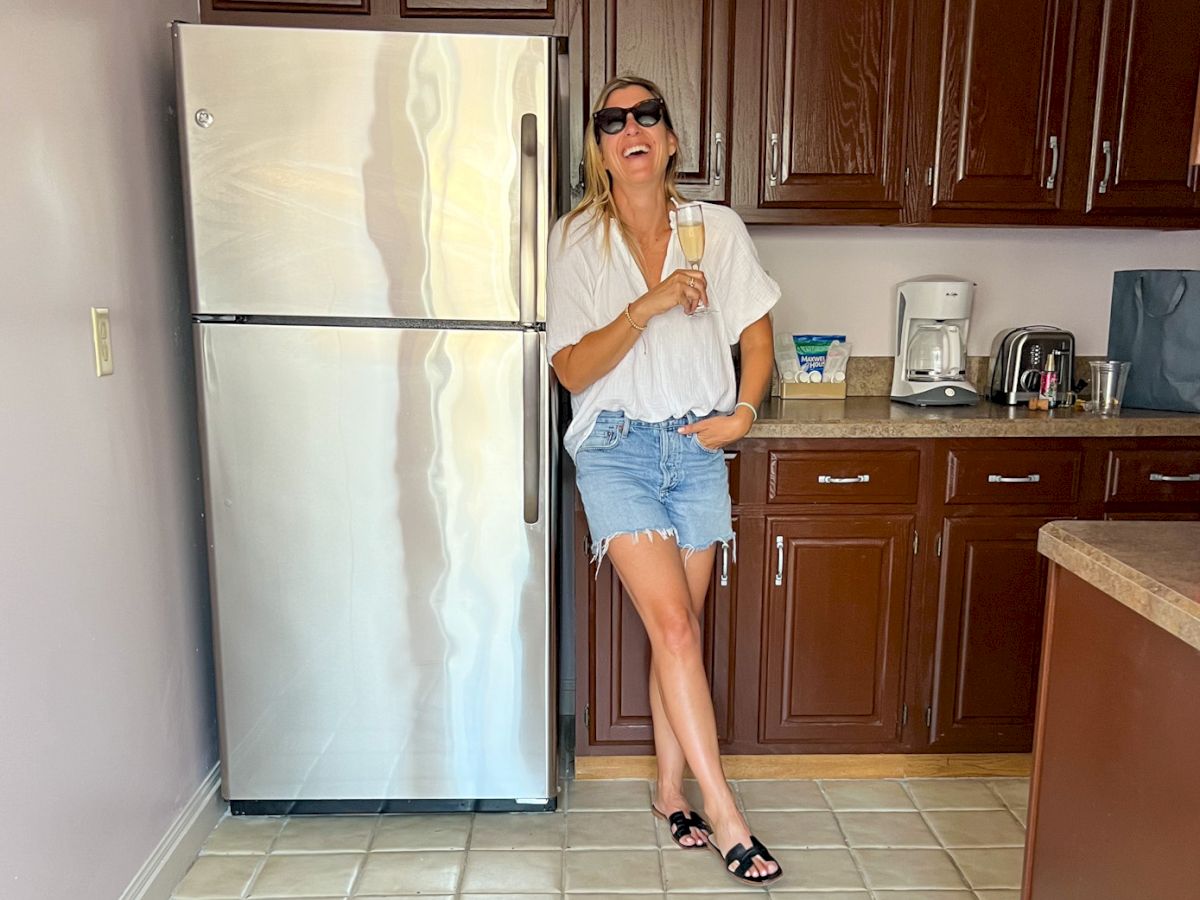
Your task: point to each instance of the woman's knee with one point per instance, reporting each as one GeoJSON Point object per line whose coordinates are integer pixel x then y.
{"type": "Point", "coordinates": [674, 631]}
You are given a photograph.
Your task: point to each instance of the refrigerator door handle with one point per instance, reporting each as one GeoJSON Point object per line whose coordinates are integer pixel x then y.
{"type": "Point", "coordinates": [527, 236]}
{"type": "Point", "coordinates": [531, 444]}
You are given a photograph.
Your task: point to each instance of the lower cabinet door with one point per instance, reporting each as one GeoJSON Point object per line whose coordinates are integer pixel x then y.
{"type": "Point", "coordinates": [617, 695]}
{"type": "Point", "coordinates": [832, 630]}
{"type": "Point", "coordinates": [990, 609]}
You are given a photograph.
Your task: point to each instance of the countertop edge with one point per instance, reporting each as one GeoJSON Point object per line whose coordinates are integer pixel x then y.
{"type": "Point", "coordinates": [980, 428]}
{"type": "Point", "coordinates": [1149, 598]}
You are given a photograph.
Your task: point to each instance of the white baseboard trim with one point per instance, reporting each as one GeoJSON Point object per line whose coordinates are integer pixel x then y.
{"type": "Point", "coordinates": [173, 856]}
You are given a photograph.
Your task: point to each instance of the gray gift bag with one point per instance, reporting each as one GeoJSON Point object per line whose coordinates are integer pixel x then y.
{"type": "Point", "coordinates": [1155, 325]}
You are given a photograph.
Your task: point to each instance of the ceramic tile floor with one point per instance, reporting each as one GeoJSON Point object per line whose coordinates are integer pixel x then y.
{"type": "Point", "coordinates": [941, 839]}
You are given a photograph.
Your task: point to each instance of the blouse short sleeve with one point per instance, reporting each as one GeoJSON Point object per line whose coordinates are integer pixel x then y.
{"type": "Point", "coordinates": [569, 290]}
{"type": "Point", "coordinates": [743, 291]}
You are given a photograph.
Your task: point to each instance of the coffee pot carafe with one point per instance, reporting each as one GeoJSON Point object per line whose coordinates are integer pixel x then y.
{"type": "Point", "coordinates": [934, 353]}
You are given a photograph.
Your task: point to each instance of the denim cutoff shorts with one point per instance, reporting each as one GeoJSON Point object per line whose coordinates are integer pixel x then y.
{"type": "Point", "coordinates": [641, 478]}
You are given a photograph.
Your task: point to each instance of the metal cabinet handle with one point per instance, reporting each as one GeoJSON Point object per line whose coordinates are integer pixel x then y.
{"type": "Point", "coordinates": [853, 479]}
{"type": "Point", "coordinates": [1106, 149]}
{"type": "Point", "coordinates": [1158, 476]}
{"type": "Point", "coordinates": [1053, 162]}
{"type": "Point", "coordinates": [725, 566]}
{"type": "Point", "coordinates": [718, 158]}
{"type": "Point", "coordinates": [778, 560]}
{"type": "Point", "coordinates": [773, 175]}
{"type": "Point", "coordinates": [1020, 479]}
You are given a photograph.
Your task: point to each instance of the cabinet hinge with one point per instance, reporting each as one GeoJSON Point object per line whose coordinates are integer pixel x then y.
{"type": "Point", "coordinates": [907, 174]}
{"type": "Point", "coordinates": [937, 546]}
{"type": "Point", "coordinates": [904, 714]}
{"type": "Point", "coordinates": [916, 542]}
{"type": "Point", "coordinates": [587, 716]}
{"type": "Point", "coordinates": [928, 716]}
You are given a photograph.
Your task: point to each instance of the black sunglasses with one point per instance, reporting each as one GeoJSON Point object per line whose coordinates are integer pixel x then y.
{"type": "Point", "coordinates": [611, 119]}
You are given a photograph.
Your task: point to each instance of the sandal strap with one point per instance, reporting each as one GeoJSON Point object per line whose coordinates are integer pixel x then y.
{"type": "Point", "coordinates": [744, 857]}
{"type": "Point", "coordinates": [682, 824]}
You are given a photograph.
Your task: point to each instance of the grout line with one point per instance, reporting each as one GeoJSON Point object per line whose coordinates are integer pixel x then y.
{"type": "Point", "coordinates": [358, 871]}
{"type": "Point", "coordinates": [462, 870]}
{"type": "Point", "coordinates": [267, 855]}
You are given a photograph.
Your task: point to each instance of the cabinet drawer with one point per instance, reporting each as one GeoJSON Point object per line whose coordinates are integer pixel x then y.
{"type": "Point", "coordinates": [1013, 476]}
{"type": "Point", "coordinates": [1171, 476]}
{"type": "Point", "coordinates": [856, 476]}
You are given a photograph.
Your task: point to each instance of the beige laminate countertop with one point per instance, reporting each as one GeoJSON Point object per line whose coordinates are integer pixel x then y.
{"type": "Point", "coordinates": [879, 417]}
{"type": "Point", "coordinates": [1151, 567]}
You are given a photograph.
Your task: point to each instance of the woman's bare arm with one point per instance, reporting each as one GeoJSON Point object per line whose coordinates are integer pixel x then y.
{"type": "Point", "coordinates": [597, 353]}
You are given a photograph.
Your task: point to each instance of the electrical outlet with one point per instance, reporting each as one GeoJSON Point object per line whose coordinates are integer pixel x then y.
{"type": "Point", "coordinates": [102, 340]}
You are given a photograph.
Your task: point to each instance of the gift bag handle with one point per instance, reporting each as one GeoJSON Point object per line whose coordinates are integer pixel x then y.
{"type": "Point", "coordinates": [1176, 299]}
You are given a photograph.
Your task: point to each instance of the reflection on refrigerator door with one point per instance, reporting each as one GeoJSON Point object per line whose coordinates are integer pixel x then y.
{"type": "Point", "coordinates": [383, 625]}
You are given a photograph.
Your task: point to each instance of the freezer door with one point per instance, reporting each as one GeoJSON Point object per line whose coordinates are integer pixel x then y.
{"type": "Point", "coordinates": [381, 601]}
{"type": "Point", "coordinates": [354, 173]}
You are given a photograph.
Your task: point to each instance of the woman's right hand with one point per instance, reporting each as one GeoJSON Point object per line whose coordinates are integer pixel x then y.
{"type": "Point", "coordinates": [683, 287]}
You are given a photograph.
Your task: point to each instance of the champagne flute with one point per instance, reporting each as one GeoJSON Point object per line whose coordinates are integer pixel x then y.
{"type": "Point", "coordinates": [689, 227]}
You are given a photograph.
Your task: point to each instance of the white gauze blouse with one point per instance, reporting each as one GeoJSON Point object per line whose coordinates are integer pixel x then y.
{"type": "Point", "coordinates": [680, 363]}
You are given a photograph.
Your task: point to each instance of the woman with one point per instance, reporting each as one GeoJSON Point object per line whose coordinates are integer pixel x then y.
{"type": "Point", "coordinates": [654, 403]}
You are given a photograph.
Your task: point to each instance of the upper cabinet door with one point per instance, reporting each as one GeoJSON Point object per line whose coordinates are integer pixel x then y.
{"type": "Point", "coordinates": [460, 8]}
{"type": "Point", "coordinates": [835, 73]}
{"type": "Point", "coordinates": [1002, 105]}
{"type": "Point", "coordinates": [342, 6]}
{"type": "Point", "coordinates": [683, 47]}
{"type": "Point", "coordinates": [1145, 107]}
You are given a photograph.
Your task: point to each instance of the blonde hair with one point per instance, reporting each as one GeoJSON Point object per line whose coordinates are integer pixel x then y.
{"type": "Point", "coordinates": [597, 198]}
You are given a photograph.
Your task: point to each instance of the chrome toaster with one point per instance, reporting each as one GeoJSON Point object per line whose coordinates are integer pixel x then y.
{"type": "Point", "coordinates": [1020, 355]}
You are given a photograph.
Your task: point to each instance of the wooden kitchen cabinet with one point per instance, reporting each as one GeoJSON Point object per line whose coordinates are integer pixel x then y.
{"type": "Point", "coordinates": [834, 85]}
{"type": "Point", "coordinates": [1003, 103]}
{"type": "Point", "coordinates": [990, 606]}
{"type": "Point", "coordinates": [908, 611]}
{"type": "Point", "coordinates": [533, 17]}
{"type": "Point", "coordinates": [292, 6]}
{"type": "Point", "coordinates": [485, 8]}
{"type": "Point", "coordinates": [956, 112]}
{"type": "Point", "coordinates": [684, 47]}
{"type": "Point", "coordinates": [1146, 85]}
{"type": "Point", "coordinates": [613, 662]}
{"type": "Point", "coordinates": [833, 629]}
{"type": "Point", "coordinates": [986, 597]}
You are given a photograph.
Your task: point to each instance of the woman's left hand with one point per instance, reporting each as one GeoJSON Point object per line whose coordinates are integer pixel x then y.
{"type": "Point", "coordinates": [715, 432]}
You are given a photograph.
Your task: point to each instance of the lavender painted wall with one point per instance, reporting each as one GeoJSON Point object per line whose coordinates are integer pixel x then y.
{"type": "Point", "coordinates": [843, 280]}
{"type": "Point", "coordinates": [107, 717]}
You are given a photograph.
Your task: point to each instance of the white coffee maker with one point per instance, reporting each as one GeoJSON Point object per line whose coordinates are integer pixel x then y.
{"type": "Point", "coordinates": [933, 314]}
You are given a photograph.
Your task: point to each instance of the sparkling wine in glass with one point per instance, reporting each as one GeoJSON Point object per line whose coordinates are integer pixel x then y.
{"type": "Point", "coordinates": [689, 226]}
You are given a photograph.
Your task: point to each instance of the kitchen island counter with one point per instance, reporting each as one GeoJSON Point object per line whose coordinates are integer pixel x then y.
{"type": "Point", "coordinates": [1115, 802]}
{"type": "Point", "coordinates": [879, 417]}
{"type": "Point", "coordinates": [1151, 567]}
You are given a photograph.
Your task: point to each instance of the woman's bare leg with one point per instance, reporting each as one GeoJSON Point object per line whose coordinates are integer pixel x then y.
{"type": "Point", "coordinates": [668, 792]}
{"type": "Point", "coordinates": [654, 575]}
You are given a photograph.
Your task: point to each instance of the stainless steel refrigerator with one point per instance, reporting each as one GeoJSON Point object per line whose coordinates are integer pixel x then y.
{"type": "Point", "coordinates": [367, 217]}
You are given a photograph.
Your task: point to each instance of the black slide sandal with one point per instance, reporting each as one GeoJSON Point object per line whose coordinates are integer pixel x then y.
{"type": "Point", "coordinates": [681, 826]}
{"type": "Point", "coordinates": [744, 857]}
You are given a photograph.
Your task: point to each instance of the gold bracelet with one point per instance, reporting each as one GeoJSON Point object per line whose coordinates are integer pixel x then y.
{"type": "Point", "coordinates": [753, 411]}
{"type": "Point", "coordinates": [630, 319]}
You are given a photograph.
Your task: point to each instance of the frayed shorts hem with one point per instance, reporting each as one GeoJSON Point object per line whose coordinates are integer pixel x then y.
{"type": "Point", "coordinates": [600, 547]}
